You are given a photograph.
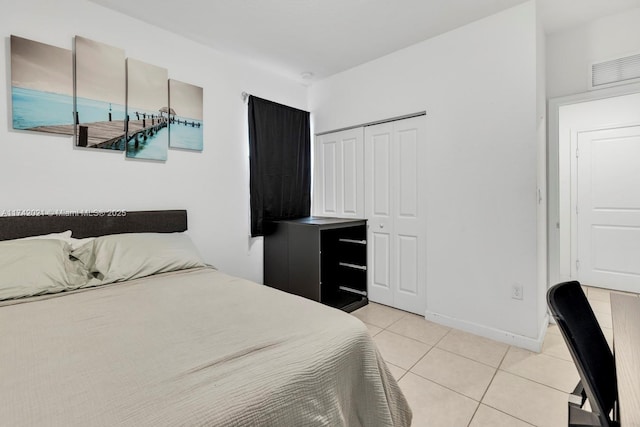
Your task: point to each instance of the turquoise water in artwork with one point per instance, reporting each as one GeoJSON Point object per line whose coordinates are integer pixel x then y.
{"type": "Point", "coordinates": [186, 136]}
{"type": "Point", "coordinates": [91, 111]}
{"type": "Point", "coordinates": [34, 108]}
{"type": "Point", "coordinates": [154, 148]}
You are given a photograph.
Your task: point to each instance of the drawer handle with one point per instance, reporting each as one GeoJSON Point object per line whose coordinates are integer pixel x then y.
{"type": "Point", "coordinates": [359, 242]}
{"type": "Point", "coordinates": [358, 267]}
{"type": "Point", "coordinates": [353, 291]}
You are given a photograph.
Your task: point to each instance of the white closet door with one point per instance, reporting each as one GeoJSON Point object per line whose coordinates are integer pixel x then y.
{"type": "Point", "coordinates": [409, 215]}
{"type": "Point", "coordinates": [608, 208]}
{"type": "Point", "coordinates": [338, 183]}
{"type": "Point", "coordinates": [395, 207]}
{"type": "Point", "coordinates": [379, 210]}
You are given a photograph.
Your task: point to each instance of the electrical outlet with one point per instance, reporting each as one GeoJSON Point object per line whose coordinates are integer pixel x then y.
{"type": "Point", "coordinates": [516, 291]}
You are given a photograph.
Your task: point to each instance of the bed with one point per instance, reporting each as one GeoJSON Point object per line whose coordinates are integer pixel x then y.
{"type": "Point", "coordinates": [190, 346]}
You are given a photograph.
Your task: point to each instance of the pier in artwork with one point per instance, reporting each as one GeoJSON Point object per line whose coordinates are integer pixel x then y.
{"type": "Point", "coordinates": [112, 133]}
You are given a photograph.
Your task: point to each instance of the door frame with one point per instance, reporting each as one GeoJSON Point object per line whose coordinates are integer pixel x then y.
{"type": "Point", "coordinates": [559, 205]}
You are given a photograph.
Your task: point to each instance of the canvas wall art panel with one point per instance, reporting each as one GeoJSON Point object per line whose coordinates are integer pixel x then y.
{"type": "Point", "coordinates": [185, 116]}
{"type": "Point", "coordinates": [100, 95]}
{"type": "Point", "coordinates": [41, 87]}
{"type": "Point", "coordinates": [147, 111]}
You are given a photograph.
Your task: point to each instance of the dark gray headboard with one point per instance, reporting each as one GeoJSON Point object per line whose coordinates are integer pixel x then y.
{"type": "Point", "coordinates": [98, 223]}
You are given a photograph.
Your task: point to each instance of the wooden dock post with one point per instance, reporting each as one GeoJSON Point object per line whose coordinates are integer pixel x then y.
{"type": "Point", "coordinates": [83, 136]}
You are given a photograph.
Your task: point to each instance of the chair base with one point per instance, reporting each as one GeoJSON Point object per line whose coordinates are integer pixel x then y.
{"type": "Point", "coordinates": [579, 417]}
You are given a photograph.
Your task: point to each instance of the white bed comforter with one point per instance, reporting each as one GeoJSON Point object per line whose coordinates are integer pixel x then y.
{"type": "Point", "coordinates": [190, 348]}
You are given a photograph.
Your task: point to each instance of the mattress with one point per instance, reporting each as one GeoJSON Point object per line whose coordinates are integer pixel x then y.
{"type": "Point", "coordinates": [194, 347]}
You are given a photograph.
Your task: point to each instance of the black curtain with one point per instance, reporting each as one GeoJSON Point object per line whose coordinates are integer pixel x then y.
{"type": "Point", "coordinates": [280, 163]}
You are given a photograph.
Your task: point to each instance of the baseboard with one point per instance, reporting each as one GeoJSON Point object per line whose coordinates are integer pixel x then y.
{"type": "Point", "coordinates": [533, 344]}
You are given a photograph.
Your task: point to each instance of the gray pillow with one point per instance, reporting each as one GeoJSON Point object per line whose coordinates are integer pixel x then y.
{"type": "Point", "coordinates": [119, 257]}
{"type": "Point", "coordinates": [38, 266]}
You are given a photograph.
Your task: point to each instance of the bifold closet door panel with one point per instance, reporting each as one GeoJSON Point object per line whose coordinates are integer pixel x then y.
{"type": "Point", "coordinates": [379, 158]}
{"type": "Point", "coordinates": [410, 215]}
{"type": "Point", "coordinates": [339, 174]}
{"type": "Point", "coordinates": [395, 205]}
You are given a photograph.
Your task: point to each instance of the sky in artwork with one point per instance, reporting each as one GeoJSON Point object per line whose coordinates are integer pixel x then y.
{"type": "Point", "coordinates": [147, 86]}
{"type": "Point", "coordinates": [40, 66]}
{"type": "Point", "coordinates": [100, 71]}
{"type": "Point", "coordinates": [186, 99]}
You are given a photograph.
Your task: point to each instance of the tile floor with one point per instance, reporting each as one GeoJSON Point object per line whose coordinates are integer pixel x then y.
{"type": "Point", "coordinates": [453, 378]}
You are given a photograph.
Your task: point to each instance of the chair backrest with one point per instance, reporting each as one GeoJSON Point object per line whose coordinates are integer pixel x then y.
{"type": "Point", "coordinates": [588, 347]}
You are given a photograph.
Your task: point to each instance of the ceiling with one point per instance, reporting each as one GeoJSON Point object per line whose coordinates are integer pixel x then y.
{"type": "Point", "coordinates": [308, 40]}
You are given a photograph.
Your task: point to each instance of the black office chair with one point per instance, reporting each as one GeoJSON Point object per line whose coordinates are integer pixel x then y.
{"type": "Point", "coordinates": [591, 354]}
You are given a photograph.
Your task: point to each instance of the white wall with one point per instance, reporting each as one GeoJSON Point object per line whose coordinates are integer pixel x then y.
{"type": "Point", "coordinates": [478, 85]}
{"type": "Point", "coordinates": [571, 52]}
{"type": "Point", "coordinates": [46, 172]}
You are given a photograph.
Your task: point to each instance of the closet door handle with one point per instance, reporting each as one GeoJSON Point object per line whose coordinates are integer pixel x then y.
{"type": "Point", "coordinates": [381, 225]}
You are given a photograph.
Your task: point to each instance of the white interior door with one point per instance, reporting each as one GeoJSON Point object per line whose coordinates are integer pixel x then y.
{"type": "Point", "coordinates": [409, 229]}
{"type": "Point", "coordinates": [338, 183]}
{"type": "Point", "coordinates": [608, 208]}
{"type": "Point", "coordinates": [395, 208]}
{"type": "Point", "coordinates": [379, 210]}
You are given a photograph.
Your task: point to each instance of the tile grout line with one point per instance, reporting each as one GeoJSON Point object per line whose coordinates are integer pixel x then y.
{"type": "Point", "coordinates": [489, 385]}
{"type": "Point", "coordinates": [404, 314]}
{"type": "Point", "coordinates": [444, 386]}
{"type": "Point", "coordinates": [401, 376]}
{"type": "Point", "coordinates": [529, 379]}
{"type": "Point", "coordinates": [396, 321]}
{"type": "Point", "coordinates": [423, 356]}
{"type": "Point", "coordinates": [535, 382]}
{"type": "Point", "coordinates": [475, 411]}
{"type": "Point", "coordinates": [487, 389]}
{"type": "Point", "coordinates": [506, 413]}
{"type": "Point", "coordinates": [471, 359]}
{"type": "Point", "coordinates": [557, 357]}
{"type": "Point", "coordinates": [409, 338]}
{"type": "Point", "coordinates": [437, 383]}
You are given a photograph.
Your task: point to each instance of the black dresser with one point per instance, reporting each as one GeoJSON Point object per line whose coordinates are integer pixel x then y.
{"type": "Point", "coordinates": [323, 259]}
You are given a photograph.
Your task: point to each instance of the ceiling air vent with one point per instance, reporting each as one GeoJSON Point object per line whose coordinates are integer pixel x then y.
{"type": "Point", "coordinates": [615, 72]}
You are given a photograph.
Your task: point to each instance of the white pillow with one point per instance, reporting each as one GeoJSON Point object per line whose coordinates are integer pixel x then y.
{"type": "Point", "coordinates": [30, 267]}
{"type": "Point", "coordinates": [64, 236]}
{"type": "Point", "coordinates": [76, 243]}
{"type": "Point", "coordinates": [119, 257]}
